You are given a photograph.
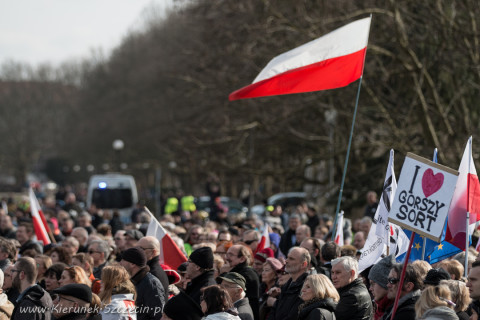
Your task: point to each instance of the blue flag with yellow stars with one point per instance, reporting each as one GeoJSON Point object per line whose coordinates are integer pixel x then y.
{"type": "Point", "coordinates": [434, 251]}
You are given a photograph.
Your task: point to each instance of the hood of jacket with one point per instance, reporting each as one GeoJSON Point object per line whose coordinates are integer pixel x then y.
{"type": "Point", "coordinates": [38, 296]}
{"type": "Point", "coordinates": [440, 313]}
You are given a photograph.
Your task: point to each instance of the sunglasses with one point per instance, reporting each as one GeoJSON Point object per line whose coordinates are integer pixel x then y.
{"type": "Point", "coordinates": [393, 280]}
{"type": "Point", "coordinates": [249, 242]}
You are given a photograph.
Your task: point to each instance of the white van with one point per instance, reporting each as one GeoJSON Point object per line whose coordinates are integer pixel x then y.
{"type": "Point", "coordinates": [115, 192]}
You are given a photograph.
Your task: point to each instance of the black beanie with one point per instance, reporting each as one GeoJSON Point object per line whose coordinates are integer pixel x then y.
{"type": "Point", "coordinates": [182, 307]}
{"type": "Point", "coordinates": [435, 275]}
{"type": "Point", "coordinates": [203, 257]}
{"type": "Point", "coordinates": [136, 256]}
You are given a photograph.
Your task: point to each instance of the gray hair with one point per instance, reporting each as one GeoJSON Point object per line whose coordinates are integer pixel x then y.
{"type": "Point", "coordinates": [102, 246]}
{"type": "Point", "coordinates": [349, 263]}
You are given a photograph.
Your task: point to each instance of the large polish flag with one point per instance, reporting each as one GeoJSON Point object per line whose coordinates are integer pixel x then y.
{"type": "Point", "coordinates": [39, 222]}
{"type": "Point", "coordinates": [170, 254]}
{"type": "Point", "coordinates": [331, 61]}
{"type": "Point", "coordinates": [467, 189]}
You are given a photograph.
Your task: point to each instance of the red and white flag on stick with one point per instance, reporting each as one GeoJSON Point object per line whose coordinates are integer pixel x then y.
{"type": "Point", "coordinates": [331, 61]}
{"type": "Point", "coordinates": [39, 222]}
{"type": "Point", "coordinates": [170, 254]}
{"type": "Point", "coordinates": [339, 232]}
{"type": "Point", "coordinates": [466, 197]}
{"type": "Point", "coordinates": [264, 241]}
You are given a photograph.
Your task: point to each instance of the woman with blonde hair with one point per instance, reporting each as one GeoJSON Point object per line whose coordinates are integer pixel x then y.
{"type": "Point", "coordinates": [74, 274]}
{"type": "Point", "coordinates": [117, 294]}
{"type": "Point", "coordinates": [320, 298]}
{"type": "Point", "coordinates": [435, 303]}
{"type": "Point", "coordinates": [460, 296]}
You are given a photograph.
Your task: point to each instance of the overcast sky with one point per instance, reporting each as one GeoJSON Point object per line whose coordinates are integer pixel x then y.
{"type": "Point", "coordinates": [36, 31]}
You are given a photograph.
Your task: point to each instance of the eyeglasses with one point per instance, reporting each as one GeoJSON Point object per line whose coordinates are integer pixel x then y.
{"type": "Point", "coordinates": [146, 248]}
{"type": "Point", "coordinates": [393, 280]}
{"type": "Point", "coordinates": [56, 297]}
{"type": "Point", "coordinates": [249, 242]}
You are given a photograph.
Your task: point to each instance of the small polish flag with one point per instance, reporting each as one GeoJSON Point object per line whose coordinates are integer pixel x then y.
{"type": "Point", "coordinates": [339, 233]}
{"type": "Point", "coordinates": [170, 254]}
{"type": "Point", "coordinates": [331, 61]}
{"type": "Point", "coordinates": [264, 241]}
{"type": "Point", "coordinates": [39, 222]}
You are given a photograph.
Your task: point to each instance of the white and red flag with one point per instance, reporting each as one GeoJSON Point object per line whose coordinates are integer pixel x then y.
{"type": "Point", "coordinates": [339, 231]}
{"type": "Point", "coordinates": [264, 241]}
{"type": "Point", "coordinates": [39, 222]}
{"type": "Point", "coordinates": [331, 61]}
{"type": "Point", "coordinates": [170, 254]}
{"type": "Point", "coordinates": [466, 197]}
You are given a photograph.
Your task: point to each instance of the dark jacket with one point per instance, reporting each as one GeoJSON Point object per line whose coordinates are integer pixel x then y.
{"type": "Point", "coordinates": [150, 295]}
{"type": "Point", "coordinates": [157, 271]}
{"type": "Point", "coordinates": [73, 316]}
{"type": "Point", "coordinates": [252, 285]}
{"type": "Point", "coordinates": [33, 304]}
{"type": "Point", "coordinates": [317, 310]}
{"type": "Point", "coordinates": [244, 310]}
{"type": "Point", "coordinates": [286, 306]}
{"type": "Point", "coordinates": [203, 280]}
{"type": "Point", "coordinates": [355, 302]}
{"type": "Point", "coordinates": [286, 241]}
{"type": "Point", "coordinates": [406, 307]}
{"type": "Point", "coordinates": [97, 272]}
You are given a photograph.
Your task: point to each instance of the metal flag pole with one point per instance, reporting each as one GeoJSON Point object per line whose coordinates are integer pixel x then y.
{"type": "Point", "coordinates": [337, 210]}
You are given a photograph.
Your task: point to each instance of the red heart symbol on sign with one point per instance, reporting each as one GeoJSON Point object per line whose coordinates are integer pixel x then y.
{"type": "Point", "coordinates": [431, 183]}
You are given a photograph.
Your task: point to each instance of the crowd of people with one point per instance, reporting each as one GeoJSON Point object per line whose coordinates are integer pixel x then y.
{"type": "Point", "coordinates": [98, 267]}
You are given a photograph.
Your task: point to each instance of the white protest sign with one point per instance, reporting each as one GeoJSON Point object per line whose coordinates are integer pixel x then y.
{"type": "Point", "coordinates": [423, 196]}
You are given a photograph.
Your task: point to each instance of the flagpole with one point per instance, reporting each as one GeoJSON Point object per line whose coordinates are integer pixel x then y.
{"type": "Point", "coordinates": [402, 277]}
{"type": "Point", "coordinates": [334, 230]}
{"type": "Point", "coordinates": [467, 236]}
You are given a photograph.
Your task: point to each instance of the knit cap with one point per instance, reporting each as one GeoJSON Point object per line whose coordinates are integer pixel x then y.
{"type": "Point", "coordinates": [379, 272]}
{"type": "Point", "coordinates": [203, 257]}
{"type": "Point", "coordinates": [136, 256]}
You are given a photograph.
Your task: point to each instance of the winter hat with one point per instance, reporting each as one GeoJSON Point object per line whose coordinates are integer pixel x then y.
{"type": "Point", "coordinates": [76, 290]}
{"type": "Point", "coordinates": [434, 276]}
{"type": "Point", "coordinates": [379, 272]}
{"type": "Point", "coordinates": [235, 278]}
{"type": "Point", "coordinates": [203, 257]}
{"type": "Point", "coordinates": [182, 307]}
{"type": "Point", "coordinates": [275, 264]}
{"type": "Point", "coordinates": [264, 254]}
{"type": "Point", "coordinates": [134, 234]}
{"type": "Point", "coordinates": [136, 256]}
{"type": "Point", "coordinates": [275, 239]}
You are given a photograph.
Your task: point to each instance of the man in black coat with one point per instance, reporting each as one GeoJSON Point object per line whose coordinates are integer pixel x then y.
{"type": "Point", "coordinates": [150, 293]}
{"type": "Point", "coordinates": [234, 283]}
{"type": "Point", "coordinates": [239, 259]}
{"type": "Point", "coordinates": [289, 238]}
{"type": "Point", "coordinates": [200, 271]}
{"type": "Point", "coordinates": [151, 247]}
{"type": "Point", "coordinates": [355, 302]}
{"type": "Point", "coordinates": [286, 306]}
